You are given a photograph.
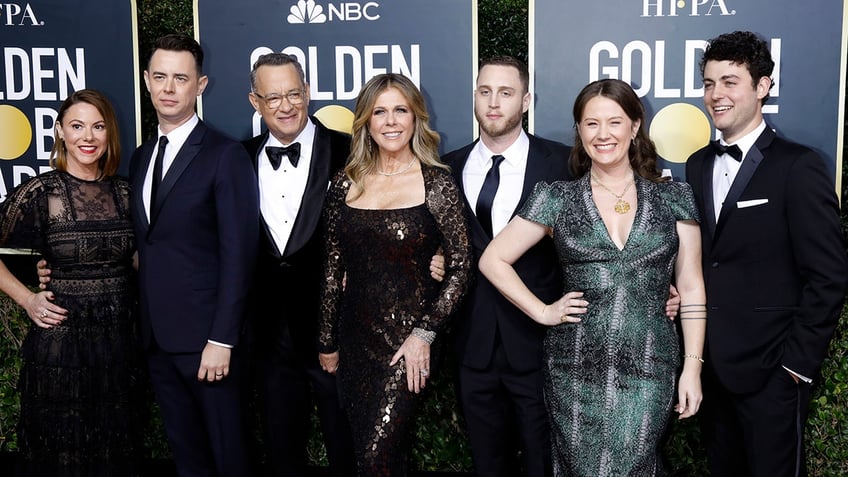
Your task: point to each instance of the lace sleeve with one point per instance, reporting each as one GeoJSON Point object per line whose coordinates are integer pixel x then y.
{"type": "Point", "coordinates": [331, 288]}
{"type": "Point", "coordinates": [23, 215]}
{"type": "Point", "coordinates": [445, 203]}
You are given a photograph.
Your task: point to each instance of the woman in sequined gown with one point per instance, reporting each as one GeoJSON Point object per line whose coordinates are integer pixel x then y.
{"type": "Point", "coordinates": [386, 215]}
{"type": "Point", "coordinates": [611, 357]}
{"type": "Point", "coordinates": [79, 383]}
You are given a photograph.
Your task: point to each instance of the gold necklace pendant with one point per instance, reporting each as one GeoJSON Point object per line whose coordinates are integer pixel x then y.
{"type": "Point", "coordinates": [622, 207]}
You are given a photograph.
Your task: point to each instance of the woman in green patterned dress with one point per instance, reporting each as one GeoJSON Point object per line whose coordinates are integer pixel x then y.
{"type": "Point", "coordinates": [622, 231]}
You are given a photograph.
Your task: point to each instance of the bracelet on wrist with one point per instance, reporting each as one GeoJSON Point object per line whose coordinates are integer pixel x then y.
{"type": "Point", "coordinates": [694, 356]}
{"type": "Point", "coordinates": [424, 335]}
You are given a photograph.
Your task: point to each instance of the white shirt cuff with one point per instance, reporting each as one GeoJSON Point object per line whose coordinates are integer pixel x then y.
{"type": "Point", "coordinates": [800, 376]}
{"type": "Point", "coordinates": [218, 343]}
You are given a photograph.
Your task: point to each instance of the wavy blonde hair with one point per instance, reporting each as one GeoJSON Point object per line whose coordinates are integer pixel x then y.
{"type": "Point", "coordinates": [364, 151]}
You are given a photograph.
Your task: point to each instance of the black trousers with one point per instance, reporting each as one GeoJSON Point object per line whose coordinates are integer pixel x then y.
{"type": "Point", "coordinates": [287, 385]}
{"type": "Point", "coordinates": [505, 411]}
{"type": "Point", "coordinates": [758, 434]}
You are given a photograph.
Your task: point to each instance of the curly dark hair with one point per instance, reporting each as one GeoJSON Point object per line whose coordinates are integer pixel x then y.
{"type": "Point", "coordinates": [642, 153]}
{"type": "Point", "coordinates": [742, 48]}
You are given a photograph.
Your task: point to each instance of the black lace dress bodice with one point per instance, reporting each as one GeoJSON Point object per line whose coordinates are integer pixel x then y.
{"type": "Point", "coordinates": [80, 380]}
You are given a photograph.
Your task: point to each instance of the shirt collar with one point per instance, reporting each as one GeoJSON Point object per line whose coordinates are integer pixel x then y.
{"type": "Point", "coordinates": [747, 141]}
{"type": "Point", "coordinates": [179, 134]}
{"type": "Point", "coordinates": [515, 155]}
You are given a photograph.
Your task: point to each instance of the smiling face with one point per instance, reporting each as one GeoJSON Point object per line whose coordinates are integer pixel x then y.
{"type": "Point", "coordinates": [733, 99]}
{"type": "Point", "coordinates": [286, 120]}
{"type": "Point", "coordinates": [84, 133]}
{"type": "Point", "coordinates": [606, 131]}
{"type": "Point", "coordinates": [174, 83]}
{"type": "Point", "coordinates": [392, 122]}
{"type": "Point", "coordinates": [499, 101]}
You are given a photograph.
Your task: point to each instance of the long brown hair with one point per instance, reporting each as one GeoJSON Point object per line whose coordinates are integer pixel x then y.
{"type": "Point", "coordinates": [642, 153]}
{"type": "Point", "coordinates": [108, 163]}
{"type": "Point", "coordinates": [364, 151]}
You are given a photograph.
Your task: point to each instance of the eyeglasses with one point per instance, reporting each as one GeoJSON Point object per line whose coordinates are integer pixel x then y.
{"type": "Point", "coordinates": [273, 101]}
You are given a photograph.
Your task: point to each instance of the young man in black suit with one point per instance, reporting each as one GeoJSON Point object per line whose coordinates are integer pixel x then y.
{"type": "Point", "coordinates": [294, 161]}
{"type": "Point", "coordinates": [195, 214]}
{"type": "Point", "coordinates": [774, 267]}
{"type": "Point", "coordinates": [499, 349]}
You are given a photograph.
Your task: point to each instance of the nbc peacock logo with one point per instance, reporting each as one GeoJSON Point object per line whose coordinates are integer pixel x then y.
{"type": "Point", "coordinates": [306, 12]}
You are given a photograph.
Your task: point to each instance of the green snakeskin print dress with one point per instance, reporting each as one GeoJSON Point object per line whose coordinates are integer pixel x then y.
{"type": "Point", "coordinates": [610, 380]}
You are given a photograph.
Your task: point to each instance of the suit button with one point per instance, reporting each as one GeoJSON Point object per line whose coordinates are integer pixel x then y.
{"type": "Point", "coordinates": [715, 265]}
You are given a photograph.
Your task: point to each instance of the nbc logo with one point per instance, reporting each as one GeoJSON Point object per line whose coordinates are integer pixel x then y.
{"type": "Point", "coordinates": [306, 11]}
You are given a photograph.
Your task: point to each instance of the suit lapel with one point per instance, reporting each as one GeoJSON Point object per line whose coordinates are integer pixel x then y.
{"type": "Point", "coordinates": [743, 177]}
{"type": "Point", "coordinates": [137, 180]}
{"type": "Point", "coordinates": [479, 238]}
{"type": "Point", "coordinates": [707, 187]}
{"type": "Point", "coordinates": [537, 169]}
{"type": "Point", "coordinates": [317, 183]}
{"type": "Point", "coordinates": [254, 149]}
{"type": "Point", "coordinates": [186, 154]}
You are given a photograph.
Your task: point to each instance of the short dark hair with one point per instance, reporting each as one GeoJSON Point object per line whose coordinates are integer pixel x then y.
{"type": "Point", "coordinates": [276, 59]}
{"type": "Point", "coordinates": [179, 42]}
{"type": "Point", "coordinates": [742, 48]}
{"type": "Point", "coordinates": [523, 73]}
{"type": "Point", "coordinates": [642, 153]}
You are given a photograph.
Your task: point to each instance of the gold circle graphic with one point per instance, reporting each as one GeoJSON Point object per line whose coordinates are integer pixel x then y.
{"type": "Point", "coordinates": [678, 130]}
{"type": "Point", "coordinates": [336, 117]}
{"type": "Point", "coordinates": [15, 132]}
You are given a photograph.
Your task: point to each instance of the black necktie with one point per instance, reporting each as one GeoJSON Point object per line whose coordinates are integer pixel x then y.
{"type": "Point", "coordinates": [487, 194]}
{"type": "Point", "coordinates": [732, 150]}
{"type": "Point", "coordinates": [275, 154]}
{"type": "Point", "coordinates": [157, 171]}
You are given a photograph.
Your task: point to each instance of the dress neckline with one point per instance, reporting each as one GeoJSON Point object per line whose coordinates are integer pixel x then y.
{"type": "Point", "coordinates": [597, 212]}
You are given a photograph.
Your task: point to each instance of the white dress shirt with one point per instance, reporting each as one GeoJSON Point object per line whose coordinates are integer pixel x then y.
{"type": "Point", "coordinates": [176, 139]}
{"type": "Point", "coordinates": [281, 191]}
{"type": "Point", "coordinates": [511, 183]}
{"type": "Point", "coordinates": [726, 167]}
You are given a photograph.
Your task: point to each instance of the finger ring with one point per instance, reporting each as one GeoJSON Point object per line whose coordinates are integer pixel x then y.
{"type": "Point", "coordinates": [562, 318]}
{"type": "Point", "coordinates": [425, 373]}
{"type": "Point", "coordinates": [44, 313]}
{"type": "Point", "coordinates": [219, 375]}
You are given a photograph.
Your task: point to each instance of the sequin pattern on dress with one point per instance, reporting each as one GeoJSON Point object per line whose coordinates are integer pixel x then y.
{"type": "Point", "coordinates": [386, 255]}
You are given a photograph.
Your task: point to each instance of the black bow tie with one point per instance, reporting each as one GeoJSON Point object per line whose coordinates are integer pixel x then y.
{"type": "Point", "coordinates": [275, 154]}
{"type": "Point", "coordinates": [732, 150]}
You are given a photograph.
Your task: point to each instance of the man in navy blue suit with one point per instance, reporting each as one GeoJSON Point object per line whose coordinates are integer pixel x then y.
{"type": "Point", "coordinates": [195, 212]}
{"type": "Point", "coordinates": [775, 269]}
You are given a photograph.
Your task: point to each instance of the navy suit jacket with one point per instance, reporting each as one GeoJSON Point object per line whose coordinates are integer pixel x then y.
{"type": "Point", "coordinates": [197, 254]}
{"type": "Point", "coordinates": [775, 273]}
{"type": "Point", "coordinates": [288, 282]}
{"type": "Point", "coordinates": [485, 310]}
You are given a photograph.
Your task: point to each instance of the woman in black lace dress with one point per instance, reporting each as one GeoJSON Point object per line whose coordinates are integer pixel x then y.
{"type": "Point", "coordinates": [386, 214]}
{"type": "Point", "coordinates": [81, 362]}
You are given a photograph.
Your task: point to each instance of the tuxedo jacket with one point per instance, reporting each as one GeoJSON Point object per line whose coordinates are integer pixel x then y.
{"type": "Point", "coordinates": [197, 252]}
{"type": "Point", "coordinates": [774, 264]}
{"type": "Point", "coordinates": [485, 311]}
{"type": "Point", "coordinates": [288, 282]}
